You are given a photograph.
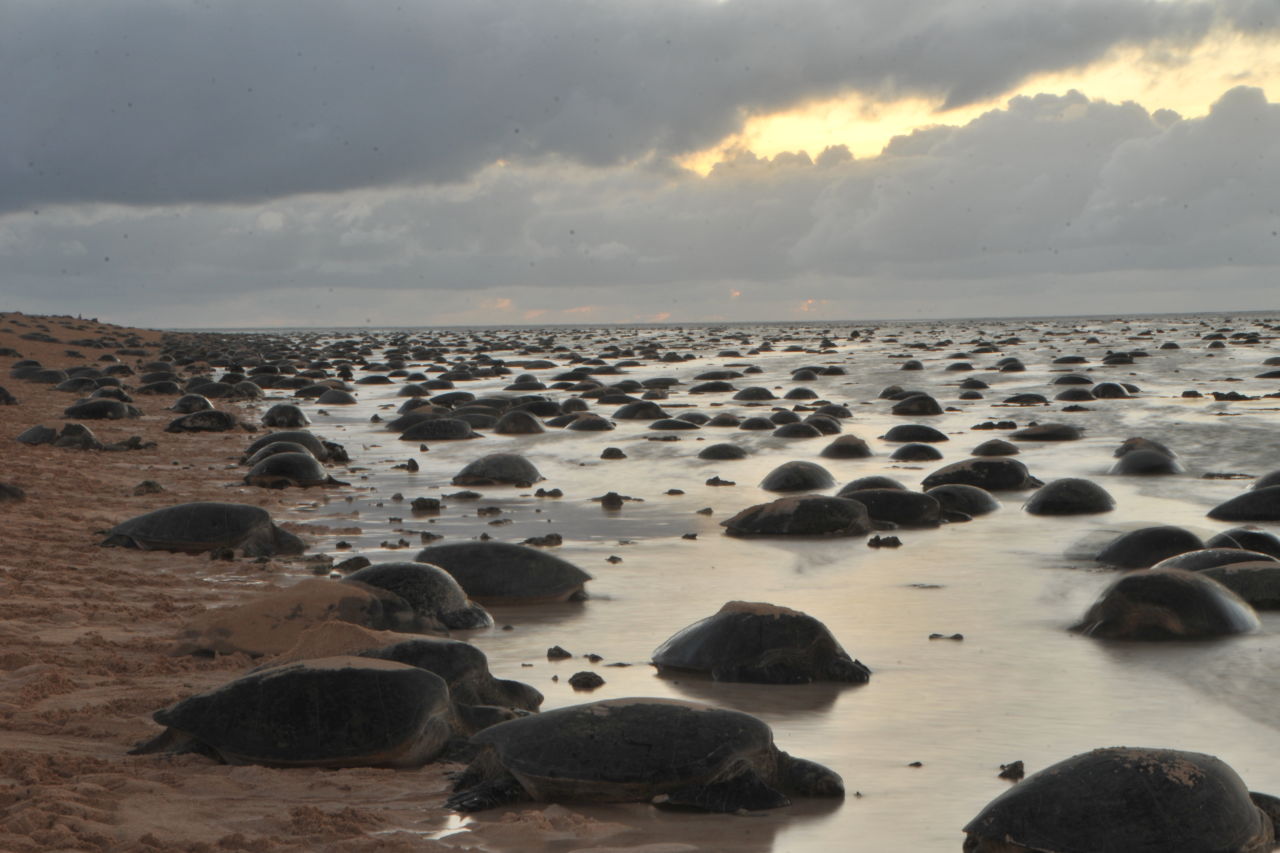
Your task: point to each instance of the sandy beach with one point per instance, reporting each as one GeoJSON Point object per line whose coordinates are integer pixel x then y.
{"type": "Point", "coordinates": [89, 632]}
{"type": "Point", "coordinates": [84, 655]}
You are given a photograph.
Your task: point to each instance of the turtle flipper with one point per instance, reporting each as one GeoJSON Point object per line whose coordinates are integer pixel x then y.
{"type": "Point", "coordinates": [487, 795]}
{"type": "Point", "coordinates": [745, 791]}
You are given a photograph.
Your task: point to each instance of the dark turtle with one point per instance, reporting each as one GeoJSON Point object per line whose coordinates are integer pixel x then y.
{"type": "Point", "coordinates": [188, 403]}
{"type": "Point", "coordinates": [1069, 496]}
{"type": "Point", "coordinates": [874, 481]}
{"type": "Point", "coordinates": [430, 591]}
{"type": "Point", "coordinates": [1146, 546]}
{"type": "Point", "coordinates": [846, 447]}
{"type": "Point", "coordinates": [1047, 432]}
{"type": "Point", "coordinates": [518, 422]}
{"type": "Point", "coordinates": [797, 429]}
{"type": "Point", "coordinates": [1126, 800]}
{"type": "Point", "coordinates": [1256, 582]}
{"type": "Point", "coordinates": [439, 429]}
{"type": "Point", "coordinates": [498, 469]}
{"type": "Point", "coordinates": [506, 573]}
{"type": "Point", "coordinates": [1147, 463]}
{"type": "Point", "coordinates": [285, 470]}
{"type": "Point", "coordinates": [897, 506]}
{"type": "Point", "coordinates": [276, 447]}
{"type": "Point", "coordinates": [996, 474]}
{"type": "Point", "coordinates": [1166, 604]}
{"type": "Point", "coordinates": [337, 397]}
{"type": "Point", "coordinates": [641, 410]}
{"type": "Point", "coordinates": [101, 408]}
{"type": "Point", "coordinates": [341, 711]}
{"type": "Point", "coordinates": [917, 404]}
{"type": "Point", "coordinates": [285, 415]}
{"type": "Point", "coordinates": [802, 515]}
{"type": "Point", "coordinates": [915, 452]}
{"type": "Point", "coordinates": [995, 447]}
{"type": "Point", "coordinates": [1254, 505]}
{"type": "Point", "coordinates": [206, 526]}
{"type": "Point", "coordinates": [970, 500]}
{"type": "Point", "coordinates": [1249, 538]}
{"type": "Point", "coordinates": [914, 433]}
{"type": "Point", "coordinates": [588, 422]}
{"type": "Point", "coordinates": [1138, 443]}
{"type": "Point", "coordinates": [797, 476]}
{"type": "Point", "coordinates": [1208, 558]}
{"type": "Point", "coordinates": [464, 668]}
{"type": "Point", "coordinates": [722, 452]}
{"type": "Point", "coordinates": [637, 750]}
{"type": "Point", "coordinates": [1271, 478]}
{"type": "Point", "coordinates": [316, 446]}
{"type": "Point", "coordinates": [760, 643]}
{"type": "Point", "coordinates": [206, 420]}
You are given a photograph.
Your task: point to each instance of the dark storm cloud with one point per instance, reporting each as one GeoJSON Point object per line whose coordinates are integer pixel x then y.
{"type": "Point", "coordinates": [161, 102]}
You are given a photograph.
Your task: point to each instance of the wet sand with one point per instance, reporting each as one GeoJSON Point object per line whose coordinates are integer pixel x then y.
{"type": "Point", "coordinates": [87, 630]}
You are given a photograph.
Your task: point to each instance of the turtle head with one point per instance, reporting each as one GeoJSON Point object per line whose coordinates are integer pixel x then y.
{"type": "Point", "coordinates": [517, 694]}
{"type": "Point", "coordinates": [850, 671]}
{"type": "Point", "coordinates": [808, 778]}
{"type": "Point", "coordinates": [1270, 806]}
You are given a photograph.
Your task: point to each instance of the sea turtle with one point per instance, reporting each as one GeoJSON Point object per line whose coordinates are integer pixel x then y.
{"type": "Point", "coordinates": [430, 591]}
{"type": "Point", "coordinates": [1254, 505]}
{"type": "Point", "coordinates": [1166, 604]}
{"type": "Point", "coordinates": [285, 415]}
{"type": "Point", "coordinates": [898, 506]}
{"type": "Point", "coordinates": [318, 447]}
{"type": "Point", "coordinates": [1069, 496]}
{"type": "Point", "coordinates": [846, 447]}
{"type": "Point", "coordinates": [273, 448]}
{"type": "Point", "coordinates": [801, 515]}
{"type": "Point", "coordinates": [797, 476]}
{"type": "Point", "coordinates": [995, 447]}
{"type": "Point", "coordinates": [439, 429]}
{"type": "Point", "coordinates": [1146, 546]}
{"type": "Point", "coordinates": [760, 643]}
{"type": "Point", "coordinates": [915, 452]}
{"type": "Point", "coordinates": [1146, 462]}
{"type": "Point", "coordinates": [343, 711]}
{"type": "Point", "coordinates": [917, 404]}
{"type": "Point", "coordinates": [1127, 800]}
{"type": "Point", "coordinates": [206, 420]}
{"type": "Point", "coordinates": [506, 573]}
{"type": "Point", "coordinates": [1209, 558]}
{"type": "Point", "coordinates": [519, 422]}
{"type": "Point", "coordinates": [284, 470]}
{"type": "Point", "coordinates": [1257, 582]}
{"type": "Point", "coordinates": [206, 526]}
{"type": "Point", "coordinates": [1047, 432]}
{"type": "Point", "coordinates": [101, 408]}
{"type": "Point", "coordinates": [995, 474]}
{"type": "Point", "coordinates": [498, 469]}
{"type": "Point", "coordinates": [1247, 537]}
{"type": "Point", "coordinates": [969, 500]}
{"type": "Point", "coordinates": [638, 750]}
{"type": "Point", "coordinates": [914, 433]}
{"type": "Point", "coordinates": [464, 668]}
{"type": "Point", "coordinates": [722, 452]}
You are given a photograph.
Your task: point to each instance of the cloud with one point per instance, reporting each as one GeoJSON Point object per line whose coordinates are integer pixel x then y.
{"type": "Point", "coordinates": [154, 102]}
{"type": "Point", "coordinates": [1050, 199]}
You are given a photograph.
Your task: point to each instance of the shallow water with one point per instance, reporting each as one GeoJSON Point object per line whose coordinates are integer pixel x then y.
{"type": "Point", "coordinates": [1019, 686]}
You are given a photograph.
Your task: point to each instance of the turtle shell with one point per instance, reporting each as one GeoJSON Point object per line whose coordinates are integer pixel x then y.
{"type": "Point", "coordinates": [430, 591]}
{"type": "Point", "coordinates": [760, 643]}
{"type": "Point", "coordinates": [1127, 800]}
{"type": "Point", "coordinates": [797, 476]}
{"type": "Point", "coordinates": [279, 470]}
{"type": "Point", "coordinates": [624, 750]}
{"type": "Point", "coordinates": [506, 573]}
{"type": "Point", "coordinates": [1160, 604]}
{"type": "Point", "coordinates": [995, 474]}
{"type": "Point", "coordinates": [325, 712]}
{"type": "Point", "coordinates": [307, 439]}
{"type": "Point", "coordinates": [285, 415]}
{"type": "Point", "coordinates": [497, 469]}
{"type": "Point", "coordinates": [206, 526]}
{"type": "Point", "coordinates": [464, 668]}
{"type": "Point", "coordinates": [900, 506]}
{"type": "Point", "coordinates": [803, 515]}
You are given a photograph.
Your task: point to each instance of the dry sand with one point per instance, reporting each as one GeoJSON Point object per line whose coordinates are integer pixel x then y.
{"type": "Point", "coordinates": [85, 635]}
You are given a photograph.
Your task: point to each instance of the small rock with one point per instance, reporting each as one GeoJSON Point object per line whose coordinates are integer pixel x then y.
{"type": "Point", "coordinates": [557, 653]}
{"type": "Point", "coordinates": [426, 505]}
{"type": "Point", "coordinates": [675, 491]}
{"type": "Point", "coordinates": [716, 481]}
{"type": "Point", "coordinates": [352, 564]}
{"type": "Point", "coordinates": [916, 764]}
{"type": "Point", "coordinates": [594, 658]}
{"type": "Point", "coordinates": [946, 636]}
{"type": "Point", "coordinates": [613, 558]}
{"type": "Point", "coordinates": [548, 493]}
{"type": "Point", "coordinates": [548, 541]}
{"type": "Point", "coordinates": [613, 453]}
{"type": "Point", "coordinates": [706, 510]}
{"type": "Point", "coordinates": [884, 542]}
{"type": "Point", "coordinates": [689, 536]}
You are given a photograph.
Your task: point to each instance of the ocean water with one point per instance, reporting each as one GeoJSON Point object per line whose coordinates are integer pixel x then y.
{"type": "Point", "coordinates": [1019, 686]}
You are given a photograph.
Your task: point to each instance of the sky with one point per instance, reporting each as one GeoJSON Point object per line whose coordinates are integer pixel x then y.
{"type": "Point", "coordinates": [234, 163]}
